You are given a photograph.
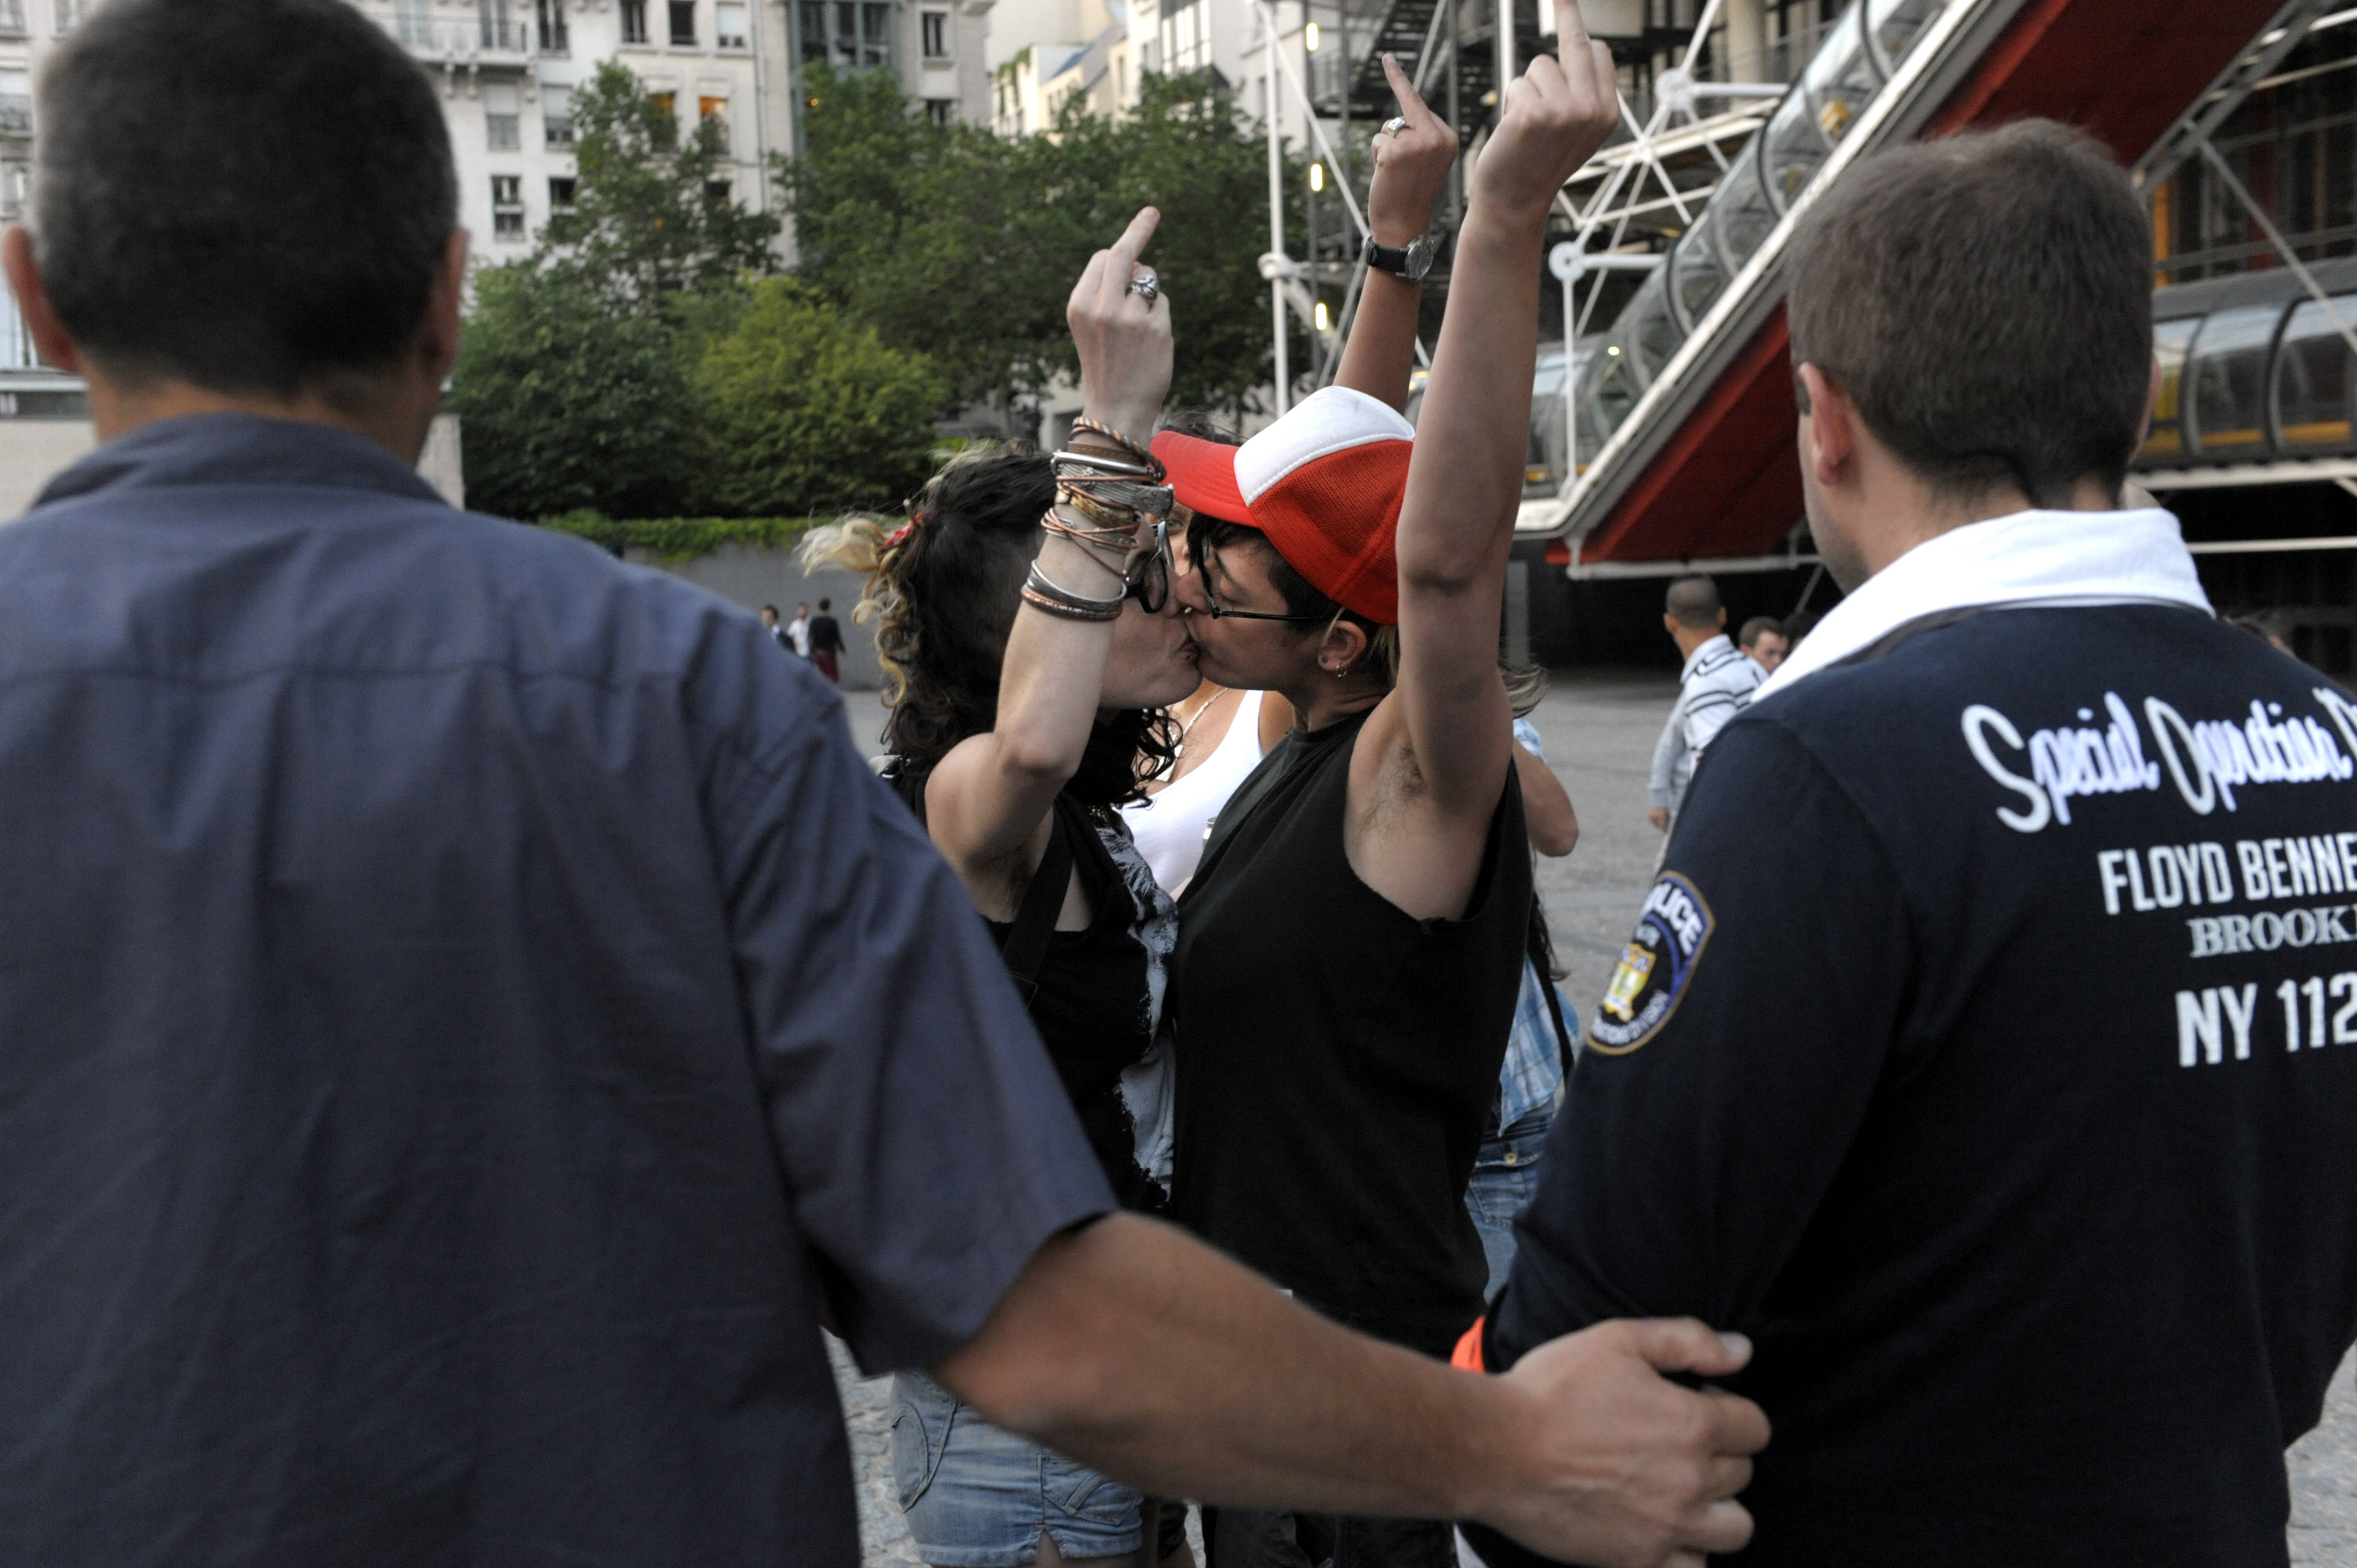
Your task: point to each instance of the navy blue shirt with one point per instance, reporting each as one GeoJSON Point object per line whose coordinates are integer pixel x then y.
{"type": "Point", "coordinates": [1987, 1051]}
{"type": "Point", "coordinates": [462, 1000]}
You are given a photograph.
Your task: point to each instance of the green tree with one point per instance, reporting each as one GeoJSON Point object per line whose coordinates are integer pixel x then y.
{"type": "Point", "coordinates": [929, 233]}
{"type": "Point", "coordinates": [800, 411]}
{"type": "Point", "coordinates": [567, 401]}
{"type": "Point", "coordinates": [963, 245]}
{"type": "Point", "coordinates": [651, 220]}
{"type": "Point", "coordinates": [1187, 153]}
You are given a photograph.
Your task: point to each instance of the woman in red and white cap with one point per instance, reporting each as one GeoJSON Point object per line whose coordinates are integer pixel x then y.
{"type": "Point", "coordinates": [1224, 731]}
{"type": "Point", "coordinates": [1352, 946]}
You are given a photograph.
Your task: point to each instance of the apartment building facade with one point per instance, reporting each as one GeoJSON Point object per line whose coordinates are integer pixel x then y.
{"type": "Point", "coordinates": [506, 72]}
{"type": "Point", "coordinates": [1044, 52]}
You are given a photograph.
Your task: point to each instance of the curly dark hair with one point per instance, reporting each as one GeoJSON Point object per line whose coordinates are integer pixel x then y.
{"type": "Point", "coordinates": [943, 590]}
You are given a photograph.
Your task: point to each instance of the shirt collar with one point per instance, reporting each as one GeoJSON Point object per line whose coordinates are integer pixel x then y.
{"type": "Point", "coordinates": [1705, 651]}
{"type": "Point", "coordinates": [237, 449]}
{"type": "Point", "coordinates": [2027, 558]}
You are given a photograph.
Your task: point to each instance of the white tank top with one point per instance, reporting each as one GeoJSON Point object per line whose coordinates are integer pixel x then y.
{"type": "Point", "coordinates": [1169, 829]}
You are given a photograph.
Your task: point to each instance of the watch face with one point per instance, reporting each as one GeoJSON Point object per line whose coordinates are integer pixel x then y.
{"type": "Point", "coordinates": [1419, 257]}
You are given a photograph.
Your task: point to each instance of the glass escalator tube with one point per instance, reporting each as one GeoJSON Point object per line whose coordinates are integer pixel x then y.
{"type": "Point", "coordinates": [1649, 327]}
{"type": "Point", "coordinates": [2227, 368]}
{"type": "Point", "coordinates": [1697, 273]}
{"type": "Point", "coordinates": [1741, 215]}
{"type": "Point", "coordinates": [2165, 443]}
{"type": "Point", "coordinates": [1843, 80]}
{"type": "Point", "coordinates": [2316, 395]}
{"type": "Point", "coordinates": [1893, 25]}
{"type": "Point", "coordinates": [1795, 148]}
{"type": "Point", "coordinates": [1543, 466]}
{"type": "Point", "coordinates": [1608, 388]}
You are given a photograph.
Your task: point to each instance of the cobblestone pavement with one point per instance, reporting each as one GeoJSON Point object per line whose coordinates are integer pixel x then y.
{"type": "Point", "coordinates": [1600, 731]}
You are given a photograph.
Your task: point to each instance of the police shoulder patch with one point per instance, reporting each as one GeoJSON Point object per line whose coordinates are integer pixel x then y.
{"type": "Point", "coordinates": [1655, 968]}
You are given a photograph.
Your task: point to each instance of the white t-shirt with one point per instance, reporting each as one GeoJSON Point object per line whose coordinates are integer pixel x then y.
{"type": "Point", "coordinates": [1170, 828]}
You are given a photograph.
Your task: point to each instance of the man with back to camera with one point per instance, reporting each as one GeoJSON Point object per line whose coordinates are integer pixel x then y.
{"type": "Point", "coordinates": [824, 638]}
{"type": "Point", "coordinates": [1714, 684]}
{"type": "Point", "coordinates": [1763, 640]}
{"type": "Point", "coordinates": [2026, 1147]}
{"type": "Point", "coordinates": [466, 999]}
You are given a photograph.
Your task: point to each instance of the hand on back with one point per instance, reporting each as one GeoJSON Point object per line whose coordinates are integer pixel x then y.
{"type": "Point", "coordinates": [1556, 114]}
{"type": "Point", "coordinates": [1627, 1469]}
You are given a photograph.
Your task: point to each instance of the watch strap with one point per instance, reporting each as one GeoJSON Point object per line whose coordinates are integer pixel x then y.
{"type": "Point", "coordinates": [1394, 261]}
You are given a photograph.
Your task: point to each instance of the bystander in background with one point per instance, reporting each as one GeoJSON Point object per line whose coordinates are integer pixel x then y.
{"type": "Point", "coordinates": [823, 642]}
{"type": "Point", "coordinates": [1716, 683]}
{"type": "Point", "coordinates": [1763, 638]}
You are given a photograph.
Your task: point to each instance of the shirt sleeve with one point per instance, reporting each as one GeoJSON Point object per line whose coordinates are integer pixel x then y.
{"type": "Point", "coordinates": [1666, 752]}
{"type": "Point", "coordinates": [927, 1147]}
{"type": "Point", "coordinates": [1729, 1067]}
{"type": "Point", "coordinates": [1526, 736]}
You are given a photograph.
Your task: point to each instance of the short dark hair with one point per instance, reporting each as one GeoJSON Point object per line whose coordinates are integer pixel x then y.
{"type": "Point", "coordinates": [242, 194]}
{"type": "Point", "coordinates": [1987, 300]}
{"type": "Point", "coordinates": [1692, 601]}
{"type": "Point", "coordinates": [1757, 628]}
{"type": "Point", "coordinates": [826, 604]}
{"type": "Point", "coordinates": [769, 609]}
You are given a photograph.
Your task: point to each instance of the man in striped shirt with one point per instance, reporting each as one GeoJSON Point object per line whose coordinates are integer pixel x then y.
{"type": "Point", "coordinates": [1716, 683]}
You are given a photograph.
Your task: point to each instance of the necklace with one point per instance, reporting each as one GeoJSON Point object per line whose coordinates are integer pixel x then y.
{"type": "Point", "coordinates": [1187, 726]}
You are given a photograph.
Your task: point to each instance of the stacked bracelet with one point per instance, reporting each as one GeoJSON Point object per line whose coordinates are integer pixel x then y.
{"type": "Point", "coordinates": [1107, 433]}
{"type": "Point", "coordinates": [1043, 593]}
{"type": "Point", "coordinates": [1117, 537]}
{"type": "Point", "coordinates": [1117, 491]}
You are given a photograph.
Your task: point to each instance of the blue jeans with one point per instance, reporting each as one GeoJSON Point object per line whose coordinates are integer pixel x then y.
{"type": "Point", "coordinates": [978, 1496]}
{"type": "Point", "coordinates": [1505, 1173]}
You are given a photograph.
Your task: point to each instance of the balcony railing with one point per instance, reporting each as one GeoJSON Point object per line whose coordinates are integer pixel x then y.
{"type": "Point", "coordinates": [445, 38]}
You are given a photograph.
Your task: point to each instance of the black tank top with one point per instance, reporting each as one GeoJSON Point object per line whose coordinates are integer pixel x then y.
{"type": "Point", "coordinates": [1099, 1002]}
{"type": "Point", "coordinates": [1339, 1055]}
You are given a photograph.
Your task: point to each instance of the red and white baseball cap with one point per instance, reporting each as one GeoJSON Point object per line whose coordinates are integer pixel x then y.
{"type": "Point", "coordinates": [1324, 483]}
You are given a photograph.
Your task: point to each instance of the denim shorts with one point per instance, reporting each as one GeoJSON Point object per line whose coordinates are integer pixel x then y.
{"type": "Point", "coordinates": [1505, 1174]}
{"type": "Point", "coordinates": [977, 1496]}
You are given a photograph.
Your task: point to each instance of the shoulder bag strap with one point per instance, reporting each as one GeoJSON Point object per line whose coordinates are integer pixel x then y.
{"type": "Point", "coordinates": [1542, 955]}
{"type": "Point", "coordinates": [1026, 947]}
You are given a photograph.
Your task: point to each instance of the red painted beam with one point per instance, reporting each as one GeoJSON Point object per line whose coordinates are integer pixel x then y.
{"type": "Point", "coordinates": [1727, 483]}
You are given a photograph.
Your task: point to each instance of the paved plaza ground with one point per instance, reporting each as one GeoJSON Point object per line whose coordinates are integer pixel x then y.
{"type": "Point", "coordinates": [1599, 730]}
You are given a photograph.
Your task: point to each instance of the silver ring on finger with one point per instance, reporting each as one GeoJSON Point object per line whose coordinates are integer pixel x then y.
{"type": "Point", "coordinates": [1395, 125]}
{"type": "Point", "coordinates": [1145, 284]}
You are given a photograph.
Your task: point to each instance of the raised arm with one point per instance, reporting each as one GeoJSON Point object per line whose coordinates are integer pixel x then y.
{"type": "Point", "coordinates": [986, 804]}
{"type": "Point", "coordinates": [1465, 481]}
{"type": "Point", "coordinates": [1411, 170]}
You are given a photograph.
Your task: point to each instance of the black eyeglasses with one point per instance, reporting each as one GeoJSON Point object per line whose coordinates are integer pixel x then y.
{"type": "Point", "coordinates": [1221, 612]}
{"type": "Point", "coordinates": [1151, 585]}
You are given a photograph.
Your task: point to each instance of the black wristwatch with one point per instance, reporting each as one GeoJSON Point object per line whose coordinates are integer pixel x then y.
{"type": "Point", "coordinates": [1410, 263]}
